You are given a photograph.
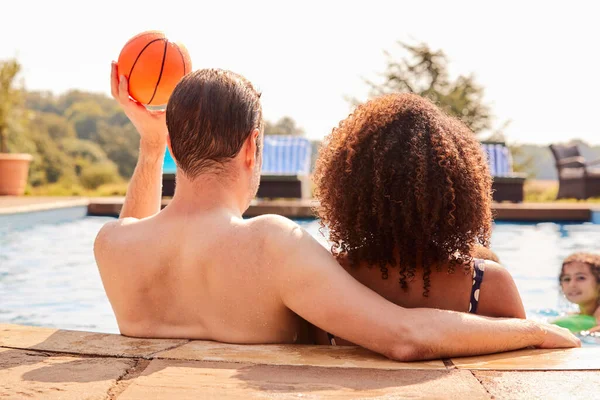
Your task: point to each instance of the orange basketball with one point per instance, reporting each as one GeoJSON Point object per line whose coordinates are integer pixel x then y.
{"type": "Point", "coordinates": [153, 65]}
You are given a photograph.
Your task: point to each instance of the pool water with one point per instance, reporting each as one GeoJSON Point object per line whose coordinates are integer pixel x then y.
{"type": "Point", "coordinates": [48, 276]}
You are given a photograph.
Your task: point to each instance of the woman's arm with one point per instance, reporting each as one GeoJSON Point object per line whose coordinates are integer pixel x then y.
{"type": "Point", "coordinates": [312, 284]}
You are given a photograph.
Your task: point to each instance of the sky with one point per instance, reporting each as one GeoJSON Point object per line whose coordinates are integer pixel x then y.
{"type": "Point", "coordinates": [537, 60]}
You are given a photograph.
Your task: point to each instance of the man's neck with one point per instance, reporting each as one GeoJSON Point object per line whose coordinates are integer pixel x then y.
{"type": "Point", "coordinates": [207, 192]}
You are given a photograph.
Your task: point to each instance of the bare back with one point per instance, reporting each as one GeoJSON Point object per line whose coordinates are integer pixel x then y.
{"type": "Point", "coordinates": [205, 276]}
{"type": "Point", "coordinates": [497, 297]}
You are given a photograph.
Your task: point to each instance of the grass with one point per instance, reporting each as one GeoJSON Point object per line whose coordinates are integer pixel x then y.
{"type": "Point", "coordinates": [544, 191]}
{"type": "Point", "coordinates": [63, 189]}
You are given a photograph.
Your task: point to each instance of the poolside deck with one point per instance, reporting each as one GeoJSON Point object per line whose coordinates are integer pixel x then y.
{"type": "Point", "coordinates": [111, 206]}
{"type": "Point", "coordinates": [49, 363]}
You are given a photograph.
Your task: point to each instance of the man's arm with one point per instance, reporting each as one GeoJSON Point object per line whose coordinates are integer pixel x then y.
{"type": "Point", "coordinates": [144, 191]}
{"type": "Point", "coordinates": [315, 287]}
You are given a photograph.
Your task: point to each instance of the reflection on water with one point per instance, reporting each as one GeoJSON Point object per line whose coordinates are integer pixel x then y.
{"type": "Point", "coordinates": [48, 275]}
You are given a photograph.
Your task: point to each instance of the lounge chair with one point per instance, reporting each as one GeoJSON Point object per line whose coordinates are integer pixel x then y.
{"type": "Point", "coordinates": [284, 174]}
{"type": "Point", "coordinates": [506, 185]}
{"type": "Point", "coordinates": [286, 167]}
{"type": "Point", "coordinates": [577, 178]}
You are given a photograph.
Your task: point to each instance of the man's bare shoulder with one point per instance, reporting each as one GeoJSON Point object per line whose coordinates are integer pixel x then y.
{"type": "Point", "coordinates": [111, 237]}
{"type": "Point", "coordinates": [272, 225]}
{"type": "Point", "coordinates": [111, 229]}
{"type": "Point", "coordinates": [280, 235]}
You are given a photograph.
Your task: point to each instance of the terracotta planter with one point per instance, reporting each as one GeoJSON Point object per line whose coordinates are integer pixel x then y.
{"type": "Point", "coordinates": [13, 173]}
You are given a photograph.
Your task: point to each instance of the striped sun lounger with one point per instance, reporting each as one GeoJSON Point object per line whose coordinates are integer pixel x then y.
{"type": "Point", "coordinates": [286, 167]}
{"type": "Point", "coordinates": [507, 185]}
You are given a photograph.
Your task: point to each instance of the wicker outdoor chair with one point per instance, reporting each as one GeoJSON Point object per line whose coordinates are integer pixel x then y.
{"type": "Point", "coordinates": [577, 178]}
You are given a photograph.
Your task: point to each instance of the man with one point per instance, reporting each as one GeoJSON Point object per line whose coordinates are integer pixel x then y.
{"type": "Point", "coordinates": [198, 270]}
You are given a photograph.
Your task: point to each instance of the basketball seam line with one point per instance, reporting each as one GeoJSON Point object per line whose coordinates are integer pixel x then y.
{"type": "Point", "coordinates": [162, 67]}
{"type": "Point", "coordinates": [182, 58]}
{"type": "Point", "coordinates": [139, 55]}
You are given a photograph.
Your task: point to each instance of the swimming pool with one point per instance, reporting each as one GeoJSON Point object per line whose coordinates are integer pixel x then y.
{"type": "Point", "coordinates": [48, 276]}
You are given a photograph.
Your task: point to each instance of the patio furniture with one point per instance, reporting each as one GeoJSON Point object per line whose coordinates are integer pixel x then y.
{"type": "Point", "coordinates": [286, 167]}
{"type": "Point", "coordinates": [577, 178]}
{"type": "Point", "coordinates": [285, 170]}
{"type": "Point", "coordinates": [506, 185]}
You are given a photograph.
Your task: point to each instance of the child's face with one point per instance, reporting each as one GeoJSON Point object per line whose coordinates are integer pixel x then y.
{"type": "Point", "coordinates": [578, 284]}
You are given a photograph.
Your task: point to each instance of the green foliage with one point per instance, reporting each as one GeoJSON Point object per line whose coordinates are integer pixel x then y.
{"type": "Point", "coordinates": [58, 127]}
{"type": "Point", "coordinates": [41, 101]}
{"type": "Point", "coordinates": [121, 145]}
{"type": "Point", "coordinates": [79, 141]}
{"type": "Point", "coordinates": [85, 117]}
{"type": "Point", "coordinates": [84, 149]}
{"type": "Point", "coordinates": [425, 72]}
{"type": "Point", "coordinates": [11, 100]}
{"type": "Point", "coordinates": [285, 126]}
{"type": "Point", "coordinates": [95, 175]}
{"type": "Point", "coordinates": [64, 188]}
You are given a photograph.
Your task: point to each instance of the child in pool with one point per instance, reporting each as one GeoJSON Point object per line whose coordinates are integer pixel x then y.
{"type": "Point", "coordinates": [580, 283]}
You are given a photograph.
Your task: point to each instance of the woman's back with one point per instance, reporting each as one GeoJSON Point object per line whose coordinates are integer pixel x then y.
{"type": "Point", "coordinates": [493, 293]}
{"type": "Point", "coordinates": [497, 295]}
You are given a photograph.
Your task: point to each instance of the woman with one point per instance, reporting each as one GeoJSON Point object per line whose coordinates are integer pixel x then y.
{"type": "Point", "coordinates": [405, 193]}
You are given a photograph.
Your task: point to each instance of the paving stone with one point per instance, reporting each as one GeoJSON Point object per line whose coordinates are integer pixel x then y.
{"type": "Point", "coordinates": [537, 359]}
{"type": "Point", "coordinates": [22, 204]}
{"type": "Point", "coordinates": [28, 337]}
{"type": "Point", "coordinates": [547, 385]}
{"type": "Point", "coordinates": [30, 374]}
{"type": "Point", "coordinates": [174, 379]}
{"type": "Point", "coordinates": [324, 356]}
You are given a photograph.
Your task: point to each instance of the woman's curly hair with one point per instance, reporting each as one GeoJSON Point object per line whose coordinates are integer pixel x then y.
{"type": "Point", "coordinates": [400, 183]}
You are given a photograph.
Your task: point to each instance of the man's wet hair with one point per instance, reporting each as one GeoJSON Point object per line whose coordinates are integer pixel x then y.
{"type": "Point", "coordinates": [209, 116]}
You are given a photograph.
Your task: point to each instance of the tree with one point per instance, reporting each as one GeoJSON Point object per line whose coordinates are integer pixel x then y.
{"type": "Point", "coordinates": [424, 72]}
{"type": "Point", "coordinates": [58, 127]}
{"type": "Point", "coordinates": [11, 99]}
{"type": "Point", "coordinates": [85, 116]}
{"type": "Point", "coordinates": [285, 126]}
{"type": "Point", "coordinates": [41, 101]}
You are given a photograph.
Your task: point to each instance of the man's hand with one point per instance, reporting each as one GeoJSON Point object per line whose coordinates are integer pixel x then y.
{"type": "Point", "coordinates": [558, 338]}
{"type": "Point", "coordinates": [144, 192]}
{"type": "Point", "coordinates": [151, 125]}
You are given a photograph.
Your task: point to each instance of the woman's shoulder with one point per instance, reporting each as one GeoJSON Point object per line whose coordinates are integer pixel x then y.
{"type": "Point", "coordinates": [499, 296]}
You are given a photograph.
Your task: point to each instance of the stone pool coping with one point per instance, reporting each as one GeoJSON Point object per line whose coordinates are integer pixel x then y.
{"type": "Point", "coordinates": [25, 204]}
{"type": "Point", "coordinates": [46, 362]}
{"type": "Point", "coordinates": [298, 208]}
